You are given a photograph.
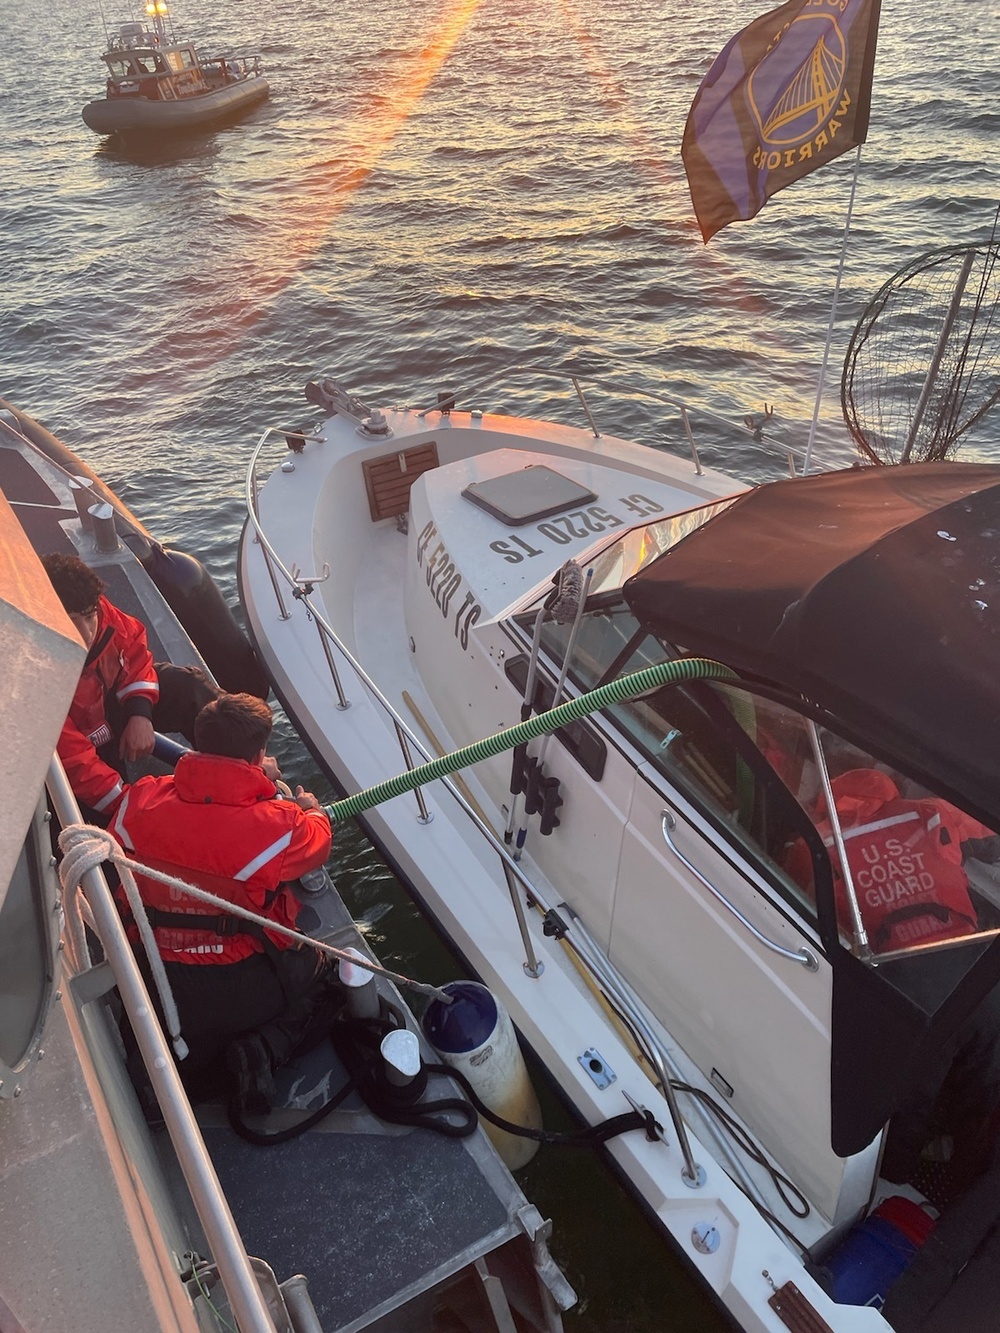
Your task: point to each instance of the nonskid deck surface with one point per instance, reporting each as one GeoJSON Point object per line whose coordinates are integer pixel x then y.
{"type": "Point", "coordinates": [371, 1213]}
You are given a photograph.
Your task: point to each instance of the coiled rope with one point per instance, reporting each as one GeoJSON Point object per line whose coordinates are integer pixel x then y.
{"type": "Point", "coordinates": [614, 692]}
{"type": "Point", "coordinates": [84, 847]}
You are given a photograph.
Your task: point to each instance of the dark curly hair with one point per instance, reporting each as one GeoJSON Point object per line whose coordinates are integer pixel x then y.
{"type": "Point", "coordinates": [76, 584]}
{"type": "Point", "coordinates": [235, 725]}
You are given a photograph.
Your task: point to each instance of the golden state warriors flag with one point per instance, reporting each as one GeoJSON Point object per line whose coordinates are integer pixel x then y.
{"type": "Point", "coordinates": [788, 94]}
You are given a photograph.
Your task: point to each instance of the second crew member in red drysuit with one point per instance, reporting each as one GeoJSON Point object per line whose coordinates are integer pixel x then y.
{"type": "Point", "coordinates": [121, 694]}
{"type": "Point", "coordinates": [118, 667]}
{"type": "Point", "coordinates": [217, 823]}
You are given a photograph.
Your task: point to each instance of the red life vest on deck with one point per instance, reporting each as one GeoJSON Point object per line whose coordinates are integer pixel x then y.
{"type": "Point", "coordinates": [217, 823]}
{"type": "Point", "coordinates": [905, 859]}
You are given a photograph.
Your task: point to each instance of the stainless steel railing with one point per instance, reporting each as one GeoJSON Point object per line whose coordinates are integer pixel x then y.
{"type": "Point", "coordinates": [602, 972]}
{"type": "Point", "coordinates": [752, 426]}
{"type": "Point", "coordinates": [242, 1290]}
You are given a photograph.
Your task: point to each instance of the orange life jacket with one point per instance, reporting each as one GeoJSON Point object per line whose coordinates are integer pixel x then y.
{"type": "Point", "coordinates": [905, 860]}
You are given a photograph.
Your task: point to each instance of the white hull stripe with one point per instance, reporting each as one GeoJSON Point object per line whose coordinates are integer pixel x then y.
{"type": "Point", "coordinates": [147, 686]}
{"type": "Point", "coordinates": [118, 825]}
{"type": "Point", "coordinates": [112, 796]}
{"type": "Point", "coordinates": [268, 854]}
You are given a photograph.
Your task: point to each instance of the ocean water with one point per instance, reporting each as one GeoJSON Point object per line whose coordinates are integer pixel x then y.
{"type": "Point", "coordinates": [438, 191]}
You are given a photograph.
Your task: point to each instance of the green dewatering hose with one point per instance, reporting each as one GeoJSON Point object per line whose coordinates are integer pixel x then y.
{"type": "Point", "coordinates": [615, 692]}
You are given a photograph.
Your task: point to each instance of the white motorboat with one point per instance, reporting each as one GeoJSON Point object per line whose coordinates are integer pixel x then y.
{"type": "Point", "coordinates": [158, 86]}
{"type": "Point", "coordinates": [682, 923]}
{"type": "Point", "coordinates": [126, 1207]}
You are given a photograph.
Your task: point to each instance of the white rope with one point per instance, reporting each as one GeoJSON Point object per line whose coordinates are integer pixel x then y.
{"type": "Point", "coordinates": [84, 848]}
{"type": "Point", "coordinates": [79, 839]}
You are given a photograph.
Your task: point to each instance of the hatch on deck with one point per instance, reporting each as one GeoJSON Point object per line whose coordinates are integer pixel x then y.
{"type": "Point", "coordinates": [531, 493]}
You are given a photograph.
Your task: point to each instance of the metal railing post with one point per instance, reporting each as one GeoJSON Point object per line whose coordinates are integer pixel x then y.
{"type": "Point", "coordinates": [586, 407]}
{"type": "Point", "coordinates": [245, 1297]}
{"type": "Point", "coordinates": [343, 702]}
{"type": "Point", "coordinates": [425, 816]}
{"type": "Point", "coordinates": [686, 422]}
{"type": "Point", "coordinates": [532, 965]}
{"type": "Point", "coordinates": [285, 614]}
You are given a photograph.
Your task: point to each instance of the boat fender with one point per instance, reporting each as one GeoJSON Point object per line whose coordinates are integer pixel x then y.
{"type": "Point", "coordinates": [474, 1035]}
{"type": "Point", "coordinates": [195, 599]}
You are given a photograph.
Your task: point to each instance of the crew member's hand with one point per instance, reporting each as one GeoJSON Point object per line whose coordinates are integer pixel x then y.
{"type": "Point", "coordinates": [305, 800]}
{"type": "Point", "coordinates": [137, 739]}
{"type": "Point", "coordinates": [270, 766]}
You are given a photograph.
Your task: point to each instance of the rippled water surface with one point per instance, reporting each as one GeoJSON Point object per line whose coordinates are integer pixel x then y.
{"type": "Point", "coordinates": [434, 192]}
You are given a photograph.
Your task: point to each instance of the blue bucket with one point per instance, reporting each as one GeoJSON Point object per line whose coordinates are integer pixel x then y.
{"type": "Point", "coordinates": [873, 1255]}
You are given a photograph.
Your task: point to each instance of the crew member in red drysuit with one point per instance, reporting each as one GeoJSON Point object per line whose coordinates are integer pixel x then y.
{"type": "Point", "coordinates": [121, 692]}
{"type": "Point", "coordinates": [217, 822]}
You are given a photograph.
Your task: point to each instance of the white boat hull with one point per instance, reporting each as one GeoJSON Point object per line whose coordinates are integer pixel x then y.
{"type": "Point", "coordinates": [316, 514]}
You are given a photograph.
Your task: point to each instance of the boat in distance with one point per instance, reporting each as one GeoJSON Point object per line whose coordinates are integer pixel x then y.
{"type": "Point", "coordinates": [676, 899]}
{"type": "Point", "coordinates": [158, 1214]}
{"type": "Point", "coordinates": [157, 86]}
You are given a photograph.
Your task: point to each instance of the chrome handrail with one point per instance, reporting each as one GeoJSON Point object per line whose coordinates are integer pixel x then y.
{"type": "Point", "coordinates": [804, 956]}
{"type": "Point", "coordinates": [221, 1232]}
{"type": "Point", "coordinates": [771, 445]}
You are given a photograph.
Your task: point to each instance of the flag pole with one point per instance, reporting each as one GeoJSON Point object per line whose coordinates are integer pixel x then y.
{"type": "Point", "coordinates": [833, 315]}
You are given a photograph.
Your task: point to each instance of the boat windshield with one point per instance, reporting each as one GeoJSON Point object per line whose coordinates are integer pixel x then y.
{"type": "Point", "coordinates": [181, 59]}
{"type": "Point", "coordinates": [911, 873]}
{"type": "Point", "coordinates": [137, 65]}
{"type": "Point", "coordinates": [639, 546]}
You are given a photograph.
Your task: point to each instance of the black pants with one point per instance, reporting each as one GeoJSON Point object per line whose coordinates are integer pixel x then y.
{"type": "Point", "coordinates": [184, 692]}
{"type": "Point", "coordinates": [286, 997]}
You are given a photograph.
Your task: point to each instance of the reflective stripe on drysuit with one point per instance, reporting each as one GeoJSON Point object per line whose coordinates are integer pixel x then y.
{"type": "Point", "coordinates": [218, 824]}
{"type": "Point", "coordinates": [119, 665]}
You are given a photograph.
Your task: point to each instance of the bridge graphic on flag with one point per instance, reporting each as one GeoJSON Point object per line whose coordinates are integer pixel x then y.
{"type": "Point", "coordinates": [813, 95]}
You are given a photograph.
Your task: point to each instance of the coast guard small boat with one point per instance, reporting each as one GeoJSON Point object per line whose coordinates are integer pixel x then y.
{"type": "Point", "coordinates": [125, 1209]}
{"type": "Point", "coordinates": [158, 86]}
{"type": "Point", "coordinates": [672, 898]}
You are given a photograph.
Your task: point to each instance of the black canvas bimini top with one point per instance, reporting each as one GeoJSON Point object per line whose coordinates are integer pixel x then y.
{"type": "Point", "coordinates": [873, 592]}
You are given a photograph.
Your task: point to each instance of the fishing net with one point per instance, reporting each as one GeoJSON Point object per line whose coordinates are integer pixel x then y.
{"type": "Point", "coordinates": [923, 365]}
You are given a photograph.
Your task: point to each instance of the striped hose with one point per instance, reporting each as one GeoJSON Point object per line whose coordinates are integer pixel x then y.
{"type": "Point", "coordinates": [615, 692]}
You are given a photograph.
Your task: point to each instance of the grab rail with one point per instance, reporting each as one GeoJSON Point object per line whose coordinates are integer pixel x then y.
{"type": "Point", "coordinates": [804, 956]}
{"type": "Point", "coordinates": [245, 1297]}
{"type": "Point", "coordinates": [751, 425]}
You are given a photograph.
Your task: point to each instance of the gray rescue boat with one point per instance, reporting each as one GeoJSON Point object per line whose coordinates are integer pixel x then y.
{"type": "Point", "coordinates": [159, 86]}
